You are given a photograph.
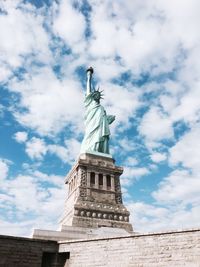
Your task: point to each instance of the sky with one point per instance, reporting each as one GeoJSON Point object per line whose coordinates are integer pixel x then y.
{"type": "Point", "coordinates": [145, 56]}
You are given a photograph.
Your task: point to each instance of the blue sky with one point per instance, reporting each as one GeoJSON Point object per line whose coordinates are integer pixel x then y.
{"type": "Point", "coordinates": [146, 59]}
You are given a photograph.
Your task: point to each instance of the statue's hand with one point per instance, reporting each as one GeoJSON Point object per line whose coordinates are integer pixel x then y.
{"type": "Point", "coordinates": [110, 118]}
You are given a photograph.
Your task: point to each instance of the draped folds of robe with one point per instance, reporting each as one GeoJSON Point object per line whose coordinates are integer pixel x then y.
{"type": "Point", "coordinates": [96, 127]}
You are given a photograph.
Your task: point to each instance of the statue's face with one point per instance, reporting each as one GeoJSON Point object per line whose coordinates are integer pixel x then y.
{"type": "Point", "coordinates": [97, 96]}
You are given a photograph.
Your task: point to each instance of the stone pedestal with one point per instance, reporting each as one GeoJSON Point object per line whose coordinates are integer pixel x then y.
{"type": "Point", "coordinates": [94, 198]}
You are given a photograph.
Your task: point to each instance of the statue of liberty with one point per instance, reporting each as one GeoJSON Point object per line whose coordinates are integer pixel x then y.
{"type": "Point", "coordinates": [97, 122]}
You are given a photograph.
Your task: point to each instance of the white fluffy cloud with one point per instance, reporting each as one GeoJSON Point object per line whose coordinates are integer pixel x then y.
{"type": "Point", "coordinates": [25, 28]}
{"type": "Point", "coordinates": [51, 104]}
{"type": "Point", "coordinates": [69, 23]}
{"type": "Point", "coordinates": [121, 102]}
{"type": "Point", "coordinates": [131, 161]}
{"type": "Point", "coordinates": [146, 217]}
{"type": "Point", "coordinates": [177, 204]}
{"type": "Point", "coordinates": [179, 187]}
{"type": "Point", "coordinates": [21, 137]}
{"type": "Point", "coordinates": [187, 150]}
{"type": "Point", "coordinates": [143, 34]}
{"type": "Point", "coordinates": [178, 193]}
{"type": "Point", "coordinates": [67, 153]}
{"type": "Point", "coordinates": [36, 148]}
{"type": "Point", "coordinates": [188, 108]}
{"type": "Point", "coordinates": [73, 147]}
{"type": "Point", "coordinates": [131, 174]}
{"type": "Point", "coordinates": [158, 157]}
{"type": "Point", "coordinates": [36, 194]}
{"type": "Point", "coordinates": [156, 126]}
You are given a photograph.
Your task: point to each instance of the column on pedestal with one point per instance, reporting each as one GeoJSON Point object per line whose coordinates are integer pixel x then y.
{"type": "Point", "coordinates": [88, 179]}
{"type": "Point", "coordinates": [100, 181]}
{"type": "Point", "coordinates": [96, 180]}
{"type": "Point", "coordinates": [112, 183]}
{"type": "Point", "coordinates": [104, 182]}
{"type": "Point", "coordinates": [88, 183]}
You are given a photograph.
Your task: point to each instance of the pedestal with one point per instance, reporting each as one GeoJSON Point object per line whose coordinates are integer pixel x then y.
{"type": "Point", "coordinates": [94, 194]}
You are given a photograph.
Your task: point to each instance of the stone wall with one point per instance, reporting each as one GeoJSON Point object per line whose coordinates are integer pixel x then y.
{"type": "Point", "coordinates": [171, 249]}
{"type": "Point", "coordinates": [26, 252]}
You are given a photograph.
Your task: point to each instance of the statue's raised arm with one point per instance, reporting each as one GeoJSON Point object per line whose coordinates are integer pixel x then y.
{"type": "Point", "coordinates": [97, 132]}
{"type": "Point", "coordinates": [89, 79]}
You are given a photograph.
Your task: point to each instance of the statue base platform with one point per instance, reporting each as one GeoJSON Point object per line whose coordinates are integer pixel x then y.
{"type": "Point", "coordinates": [96, 153]}
{"type": "Point", "coordinates": [78, 233]}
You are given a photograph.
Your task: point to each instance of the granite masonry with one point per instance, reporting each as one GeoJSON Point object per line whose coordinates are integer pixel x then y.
{"type": "Point", "coordinates": [167, 249]}
{"type": "Point", "coordinates": [95, 198]}
{"type": "Point", "coordinates": [28, 252]}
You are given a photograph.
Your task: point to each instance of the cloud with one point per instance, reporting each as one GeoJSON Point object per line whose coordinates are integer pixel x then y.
{"type": "Point", "coordinates": [3, 170]}
{"type": "Point", "coordinates": [131, 161]}
{"type": "Point", "coordinates": [43, 201]}
{"type": "Point", "coordinates": [156, 126]}
{"type": "Point", "coordinates": [123, 109]}
{"type": "Point", "coordinates": [67, 153]}
{"type": "Point", "coordinates": [24, 227]}
{"type": "Point", "coordinates": [188, 108]}
{"type": "Point", "coordinates": [23, 199]}
{"type": "Point", "coordinates": [18, 21]}
{"type": "Point", "coordinates": [131, 174]}
{"type": "Point", "coordinates": [106, 69]}
{"type": "Point", "coordinates": [153, 218]}
{"type": "Point", "coordinates": [52, 179]}
{"type": "Point", "coordinates": [69, 23]}
{"type": "Point", "coordinates": [146, 36]}
{"type": "Point", "coordinates": [127, 145]}
{"type": "Point", "coordinates": [158, 157]}
{"type": "Point", "coordinates": [50, 104]}
{"type": "Point", "coordinates": [5, 72]}
{"type": "Point", "coordinates": [176, 204]}
{"type": "Point", "coordinates": [143, 214]}
{"type": "Point", "coordinates": [1, 111]}
{"type": "Point", "coordinates": [73, 147]}
{"type": "Point", "coordinates": [187, 150]}
{"type": "Point", "coordinates": [36, 148]}
{"type": "Point", "coordinates": [21, 137]}
{"type": "Point", "coordinates": [180, 186]}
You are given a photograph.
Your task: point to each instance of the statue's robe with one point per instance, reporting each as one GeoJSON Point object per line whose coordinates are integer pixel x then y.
{"type": "Point", "coordinates": [96, 127]}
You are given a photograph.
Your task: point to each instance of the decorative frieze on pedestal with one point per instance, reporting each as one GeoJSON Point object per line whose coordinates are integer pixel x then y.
{"type": "Point", "coordinates": [94, 198]}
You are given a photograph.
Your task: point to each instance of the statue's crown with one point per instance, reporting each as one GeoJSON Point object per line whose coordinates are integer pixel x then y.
{"type": "Point", "coordinates": [98, 93]}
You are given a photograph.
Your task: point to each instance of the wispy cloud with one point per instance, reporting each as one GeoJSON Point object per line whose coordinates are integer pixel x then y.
{"type": "Point", "coordinates": [26, 196]}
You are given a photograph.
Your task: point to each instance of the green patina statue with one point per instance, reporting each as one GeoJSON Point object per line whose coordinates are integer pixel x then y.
{"type": "Point", "coordinates": [97, 122]}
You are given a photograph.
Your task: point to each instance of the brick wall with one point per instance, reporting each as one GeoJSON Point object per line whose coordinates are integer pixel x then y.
{"type": "Point", "coordinates": [171, 249]}
{"type": "Point", "coordinates": [25, 252]}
